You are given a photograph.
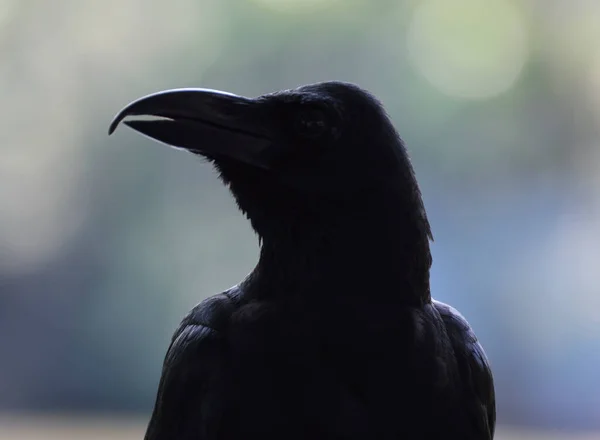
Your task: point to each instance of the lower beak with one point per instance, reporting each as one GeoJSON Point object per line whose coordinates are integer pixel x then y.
{"type": "Point", "coordinates": [207, 122]}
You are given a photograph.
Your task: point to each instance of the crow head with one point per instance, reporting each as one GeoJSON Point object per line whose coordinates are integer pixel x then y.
{"type": "Point", "coordinates": [320, 151]}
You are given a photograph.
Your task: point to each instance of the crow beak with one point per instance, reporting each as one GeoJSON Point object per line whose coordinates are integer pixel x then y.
{"type": "Point", "coordinates": [207, 122]}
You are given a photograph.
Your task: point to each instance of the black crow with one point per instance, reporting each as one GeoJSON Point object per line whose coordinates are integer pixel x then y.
{"type": "Point", "coordinates": [334, 334]}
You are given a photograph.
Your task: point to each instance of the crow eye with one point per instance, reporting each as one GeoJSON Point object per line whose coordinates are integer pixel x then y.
{"type": "Point", "coordinates": [311, 123]}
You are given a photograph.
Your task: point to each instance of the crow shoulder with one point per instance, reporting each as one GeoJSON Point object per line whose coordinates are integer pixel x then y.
{"type": "Point", "coordinates": [476, 382]}
{"type": "Point", "coordinates": [194, 368]}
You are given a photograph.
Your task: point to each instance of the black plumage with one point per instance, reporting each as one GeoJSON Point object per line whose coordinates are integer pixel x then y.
{"type": "Point", "coordinates": [334, 334]}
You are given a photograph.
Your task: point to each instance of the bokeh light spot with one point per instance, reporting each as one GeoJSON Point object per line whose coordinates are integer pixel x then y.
{"type": "Point", "coordinates": [468, 49]}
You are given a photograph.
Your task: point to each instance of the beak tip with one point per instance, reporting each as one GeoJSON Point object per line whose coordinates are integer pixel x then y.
{"type": "Point", "coordinates": [114, 124]}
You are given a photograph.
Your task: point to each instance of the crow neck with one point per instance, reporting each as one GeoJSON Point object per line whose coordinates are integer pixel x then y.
{"type": "Point", "coordinates": [368, 254]}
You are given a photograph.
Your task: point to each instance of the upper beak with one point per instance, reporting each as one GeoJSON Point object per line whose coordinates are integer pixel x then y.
{"type": "Point", "coordinates": [209, 122]}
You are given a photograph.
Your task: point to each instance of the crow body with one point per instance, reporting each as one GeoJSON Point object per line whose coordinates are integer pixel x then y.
{"type": "Point", "coordinates": [334, 334]}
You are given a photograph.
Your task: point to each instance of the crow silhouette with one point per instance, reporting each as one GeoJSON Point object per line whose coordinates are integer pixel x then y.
{"type": "Point", "coordinates": [334, 334]}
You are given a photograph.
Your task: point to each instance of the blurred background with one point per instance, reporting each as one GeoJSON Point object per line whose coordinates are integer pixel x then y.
{"type": "Point", "coordinates": [105, 243]}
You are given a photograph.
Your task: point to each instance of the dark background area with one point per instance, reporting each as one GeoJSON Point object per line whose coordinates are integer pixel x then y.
{"type": "Point", "coordinates": [105, 243]}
